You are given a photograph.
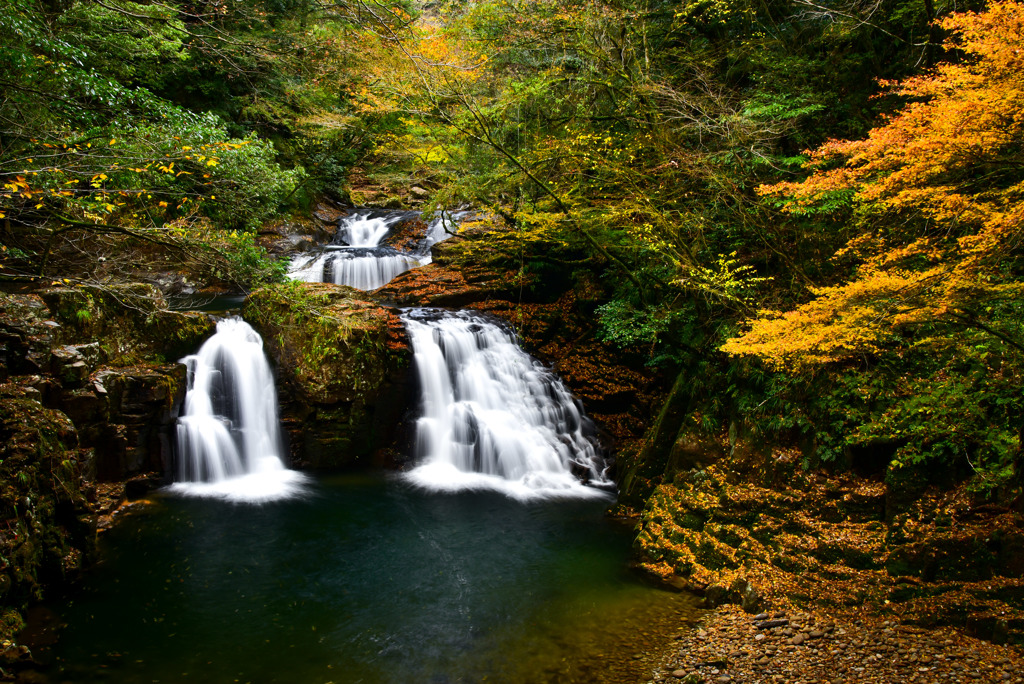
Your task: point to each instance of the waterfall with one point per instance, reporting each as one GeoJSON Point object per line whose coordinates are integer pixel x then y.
{"type": "Point", "coordinates": [229, 442]}
{"type": "Point", "coordinates": [358, 259]}
{"type": "Point", "coordinates": [362, 271]}
{"type": "Point", "coordinates": [494, 417]}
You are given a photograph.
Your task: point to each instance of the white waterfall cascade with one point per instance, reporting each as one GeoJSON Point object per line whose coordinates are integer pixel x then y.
{"type": "Point", "coordinates": [347, 267]}
{"type": "Point", "coordinates": [361, 262]}
{"type": "Point", "coordinates": [229, 441]}
{"type": "Point", "coordinates": [493, 417]}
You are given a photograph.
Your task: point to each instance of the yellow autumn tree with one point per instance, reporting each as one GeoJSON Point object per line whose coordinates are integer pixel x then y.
{"type": "Point", "coordinates": [939, 189]}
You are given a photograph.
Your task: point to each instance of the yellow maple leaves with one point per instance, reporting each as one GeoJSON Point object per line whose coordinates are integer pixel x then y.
{"type": "Point", "coordinates": [841, 322]}
{"type": "Point", "coordinates": [946, 176]}
{"type": "Point", "coordinates": [963, 118]}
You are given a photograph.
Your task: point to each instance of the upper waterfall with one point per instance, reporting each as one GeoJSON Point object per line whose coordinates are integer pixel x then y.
{"type": "Point", "coordinates": [358, 259]}
{"type": "Point", "coordinates": [494, 417]}
{"type": "Point", "coordinates": [229, 441]}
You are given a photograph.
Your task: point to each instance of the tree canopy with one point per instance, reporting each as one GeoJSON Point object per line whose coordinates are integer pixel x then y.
{"type": "Point", "coordinates": [936, 192]}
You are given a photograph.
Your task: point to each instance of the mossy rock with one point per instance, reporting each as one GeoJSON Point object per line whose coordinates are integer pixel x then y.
{"type": "Point", "coordinates": [172, 335]}
{"type": "Point", "coordinates": [131, 322]}
{"type": "Point", "coordinates": [331, 344]}
{"type": "Point", "coordinates": [26, 335]}
{"type": "Point", "coordinates": [138, 405]}
{"type": "Point", "coordinates": [45, 514]}
{"type": "Point", "coordinates": [342, 362]}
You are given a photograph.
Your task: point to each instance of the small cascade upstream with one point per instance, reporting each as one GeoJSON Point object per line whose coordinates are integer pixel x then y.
{"type": "Point", "coordinates": [358, 259]}
{"type": "Point", "coordinates": [493, 417]}
{"type": "Point", "coordinates": [229, 442]}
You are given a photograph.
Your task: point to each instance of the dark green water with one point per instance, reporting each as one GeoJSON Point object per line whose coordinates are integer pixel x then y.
{"type": "Point", "coordinates": [367, 580]}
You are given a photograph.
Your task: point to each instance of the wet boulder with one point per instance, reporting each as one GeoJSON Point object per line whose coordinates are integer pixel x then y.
{"type": "Point", "coordinates": [26, 335]}
{"type": "Point", "coordinates": [126, 415]}
{"type": "Point", "coordinates": [72, 364]}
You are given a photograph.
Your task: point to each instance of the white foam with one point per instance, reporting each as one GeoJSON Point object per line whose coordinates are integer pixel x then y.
{"type": "Point", "coordinates": [446, 478]}
{"type": "Point", "coordinates": [254, 488]}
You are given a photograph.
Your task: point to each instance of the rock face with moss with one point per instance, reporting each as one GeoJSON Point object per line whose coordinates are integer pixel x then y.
{"type": "Point", "coordinates": [86, 397]}
{"type": "Point", "coordinates": [48, 525]}
{"type": "Point", "coordinates": [480, 264]}
{"type": "Point", "coordinates": [99, 355]}
{"type": "Point", "coordinates": [129, 323]}
{"type": "Point", "coordinates": [125, 413]}
{"type": "Point", "coordinates": [342, 364]}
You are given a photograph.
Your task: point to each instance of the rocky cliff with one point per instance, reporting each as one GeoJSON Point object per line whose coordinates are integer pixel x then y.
{"type": "Point", "coordinates": [86, 397]}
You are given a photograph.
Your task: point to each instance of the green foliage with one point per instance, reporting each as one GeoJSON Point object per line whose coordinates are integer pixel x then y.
{"type": "Point", "coordinates": [83, 136]}
{"type": "Point", "coordinates": [127, 41]}
{"type": "Point", "coordinates": [133, 118]}
{"type": "Point", "coordinates": [248, 185]}
{"type": "Point", "coordinates": [948, 408]}
{"type": "Point", "coordinates": [724, 280]}
{"type": "Point", "coordinates": [668, 335]}
{"type": "Point", "coordinates": [247, 264]}
{"type": "Point", "coordinates": [623, 325]}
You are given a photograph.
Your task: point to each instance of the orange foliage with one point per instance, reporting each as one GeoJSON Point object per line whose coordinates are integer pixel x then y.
{"type": "Point", "coordinates": [953, 159]}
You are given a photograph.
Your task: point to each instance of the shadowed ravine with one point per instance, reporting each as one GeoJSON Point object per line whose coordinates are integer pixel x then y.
{"type": "Point", "coordinates": [492, 560]}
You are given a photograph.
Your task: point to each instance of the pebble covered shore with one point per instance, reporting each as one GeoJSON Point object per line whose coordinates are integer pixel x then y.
{"type": "Point", "coordinates": [802, 647]}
